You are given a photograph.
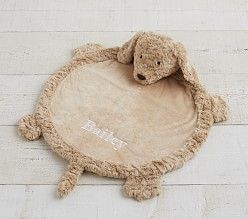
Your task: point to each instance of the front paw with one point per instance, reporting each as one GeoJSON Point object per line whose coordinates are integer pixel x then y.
{"type": "Point", "coordinates": [82, 50]}
{"type": "Point", "coordinates": [140, 188]}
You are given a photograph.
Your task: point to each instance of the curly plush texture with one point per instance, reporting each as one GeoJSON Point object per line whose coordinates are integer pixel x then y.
{"type": "Point", "coordinates": [142, 188]}
{"type": "Point", "coordinates": [219, 108]}
{"type": "Point", "coordinates": [69, 180]}
{"type": "Point", "coordinates": [29, 128]}
{"type": "Point", "coordinates": [154, 57]}
{"type": "Point", "coordinates": [82, 50]}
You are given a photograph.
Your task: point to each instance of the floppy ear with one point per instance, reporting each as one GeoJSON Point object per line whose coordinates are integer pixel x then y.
{"type": "Point", "coordinates": [219, 108]}
{"type": "Point", "coordinates": [188, 71]}
{"type": "Point", "coordinates": [126, 52]}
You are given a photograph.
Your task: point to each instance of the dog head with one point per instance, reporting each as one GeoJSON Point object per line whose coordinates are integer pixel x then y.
{"type": "Point", "coordinates": [154, 57]}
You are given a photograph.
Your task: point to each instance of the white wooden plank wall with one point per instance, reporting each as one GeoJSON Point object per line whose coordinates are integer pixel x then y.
{"type": "Point", "coordinates": [37, 37]}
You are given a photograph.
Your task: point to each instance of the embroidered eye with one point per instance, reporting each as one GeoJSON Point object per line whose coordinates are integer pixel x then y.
{"type": "Point", "coordinates": [158, 62]}
{"type": "Point", "coordinates": [141, 56]}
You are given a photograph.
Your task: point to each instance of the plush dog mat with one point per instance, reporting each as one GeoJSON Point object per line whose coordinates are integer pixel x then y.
{"type": "Point", "coordinates": [97, 114]}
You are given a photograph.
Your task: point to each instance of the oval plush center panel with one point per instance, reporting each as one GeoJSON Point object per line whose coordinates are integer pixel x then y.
{"type": "Point", "coordinates": [103, 112]}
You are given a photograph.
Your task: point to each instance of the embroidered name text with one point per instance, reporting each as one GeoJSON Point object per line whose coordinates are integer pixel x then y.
{"type": "Point", "coordinates": [103, 134]}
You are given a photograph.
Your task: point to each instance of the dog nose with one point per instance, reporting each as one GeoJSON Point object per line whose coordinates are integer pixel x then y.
{"type": "Point", "coordinates": [141, 77]}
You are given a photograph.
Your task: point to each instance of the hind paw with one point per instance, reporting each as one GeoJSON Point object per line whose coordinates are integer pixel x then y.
{"type": "Point", "coordinates": [140, 188]}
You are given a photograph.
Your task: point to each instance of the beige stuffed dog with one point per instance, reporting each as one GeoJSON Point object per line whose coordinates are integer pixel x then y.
{"type": "Point", "coordinates": [156, 56]}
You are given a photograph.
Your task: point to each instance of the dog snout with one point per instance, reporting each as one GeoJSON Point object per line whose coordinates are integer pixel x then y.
{"type": "Point", "coordinates": [141, 77]}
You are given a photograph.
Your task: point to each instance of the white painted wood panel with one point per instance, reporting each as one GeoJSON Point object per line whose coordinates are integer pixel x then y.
{"type": "Point", "coordinates": [19, 94]}
{"type": "Point", "coordinates": [222, 160]}
{"type": "Point", "coordinates": [92, 202]}
{"type": "Point", "coordinates": [221, 41]}
{"type": "Point", "coordinates": [120, 20]}
{"type": "Point", "coordinates": [41, 53]}
{"type": "Point", "coordinates": [167, 5]}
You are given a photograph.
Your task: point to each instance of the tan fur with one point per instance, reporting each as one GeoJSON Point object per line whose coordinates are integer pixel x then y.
{"type": "Point", "coordinates": [29, 128]}
{"type": "Point", "coordinates": [69, 180]}
{"type": "Point", "coordinates": [219, 109]}
{"type": "Point", "coordinates": [156, 56]}
{"type": "Point", "coordinates": [143, 181]}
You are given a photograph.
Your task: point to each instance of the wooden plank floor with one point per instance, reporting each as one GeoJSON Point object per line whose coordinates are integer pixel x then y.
{"type": "Point", "coordinates": [37, 37]}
